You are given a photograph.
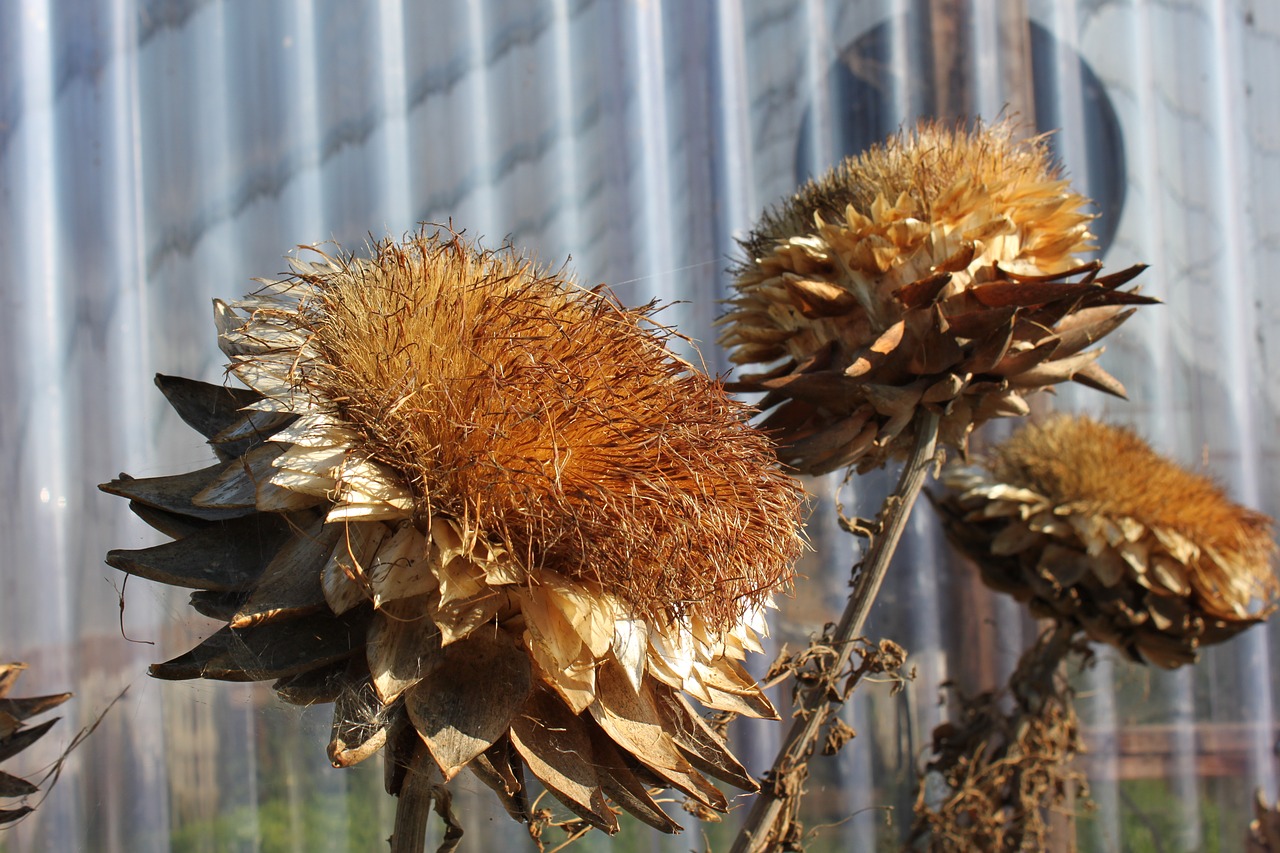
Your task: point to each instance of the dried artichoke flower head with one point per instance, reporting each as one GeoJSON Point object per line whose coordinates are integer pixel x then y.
{"type": "Point", "coordinates": [477, 505]}
{"type": "Point", "coordinates": [1090, 525]}
{"type": "Point", "coordinates": [938, 270]}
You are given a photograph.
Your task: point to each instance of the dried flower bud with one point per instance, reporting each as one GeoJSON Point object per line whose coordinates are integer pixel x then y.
{"type": "Point", "coordinates": [16, 736]}
{"type": "Point", "coordinates": [467, 499]}
{"type": "Point", "coordinates": [1089, 525]}
{"type": "Point", "coordinates": [936, 271]}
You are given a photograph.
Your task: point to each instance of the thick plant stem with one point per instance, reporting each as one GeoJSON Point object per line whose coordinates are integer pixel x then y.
{"type": "Point", "coordinates": [421, 791]}
{"type": "Point", "coordinates": [413, 810]}
{"type": "Point", "coordinates": [816, 703]}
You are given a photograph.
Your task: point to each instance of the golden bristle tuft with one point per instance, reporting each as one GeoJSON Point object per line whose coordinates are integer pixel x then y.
{"type": "Point", "coordinates": [932, 166]}
{"type": "Point", "coordinates": [554, 420]}
{"type": "Point", "coordinates": [1089, 524]}
{"type": "Point", "coordinates": [1111, 470]}
{"type": "Point", "coordinates": [936, 272]}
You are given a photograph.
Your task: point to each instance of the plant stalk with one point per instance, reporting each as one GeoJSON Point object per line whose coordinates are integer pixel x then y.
{"type": "Point", "coordinates": [413, 806]}
{"type": "Point", "coordinates": [815, 704]}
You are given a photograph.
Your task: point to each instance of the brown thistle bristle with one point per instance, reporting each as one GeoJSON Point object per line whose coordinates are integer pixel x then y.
{"type": "Point", "coordinates": [924, 164]}
{"type": "Point", "coordinates": [1093, 528]}
{"type": "Point", "coordinates": [1111, 471]}
{"type": "Point", "coordinates": [553, 419]}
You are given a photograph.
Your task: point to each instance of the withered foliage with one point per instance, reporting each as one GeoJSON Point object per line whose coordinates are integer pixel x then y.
{"type": "Point", "coordinates": [1005, 760]}
{"type": "Point", "coordinates": [811, 670]}
{"type": "Point", "coordinates": [16, 735]}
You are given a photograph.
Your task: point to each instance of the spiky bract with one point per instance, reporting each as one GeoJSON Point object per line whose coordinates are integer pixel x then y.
{"type": "Point", "coordinates": [938, 270]}
{"type": "Point", "coordinates": [16, 736]}
{"type": "Point", "coordinates": [1090, 525]}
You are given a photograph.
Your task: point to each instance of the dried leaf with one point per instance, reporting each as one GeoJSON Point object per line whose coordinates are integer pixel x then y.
{"type": "Point", "coordinates": [591, 613]}
{"type": "Point", "coordinates": [631, 648]}
{"type": "Point", "coordinates": [270, 650]}
{"type": "Point", "coordinates": [226, 557]}
{"type": "Point", "coordinates": [619, 781]}
{"type": "Point", "coordinates": [9, 673]}
{"type": "Point", "coordinates": [702, 746]}
{"type": "Point", "coordinates": [171, 524]}
{"type": "Point", "coordinates": [401, 567]}
{"type": "Point", "coordinates": [361, 723]}
{"type": "Point", "coordinates": [206, 408]}
{"type": "Point", "coordinates": [467, 702]}
{"type": "Point", "coordinates": [925, 291]}
{"type": "Point", "coordinates": [290, 584]}
{"type": "Point", "coordinates": [13, 786]}
{"type": "Point", "coordinates": [556, 745]}
{"type": "Point", "coordinates": [344, 578]}
{"type": "Point", "coordinates": [175, 493]}
{"type": "Point", "coordinates": [633, 722]}
{"type": "Point", "coordinates": [16, 742]}
{"type": "Point", "coordinates": [28, 707]}
{"type": "Point", "coordinates": [403, 647]}
{"type": "Point", "coordinates": [501, 770]}
{"type": "Point", "coordinates": [314, 687]}
{"type": "Point", "coordinates": [1093, 376]}
{"type": "Point", "coordinates": [876, 354]}
{"type": "Point", "coordinates": [818, 298]}
{"type": "Point", "coordinates": [10, 815]}
{"type": "Point", "coordinates": [237, 485]}
{"type": "Point", "coordinates": [249, 430]}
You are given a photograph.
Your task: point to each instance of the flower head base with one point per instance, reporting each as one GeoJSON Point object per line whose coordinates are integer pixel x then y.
{"type": "Point", "coordinates": [520, 527]}
{"type": "Point", "coordinates": [936, 271]}
{"type": "Point", "coordinates": [1091, 526]}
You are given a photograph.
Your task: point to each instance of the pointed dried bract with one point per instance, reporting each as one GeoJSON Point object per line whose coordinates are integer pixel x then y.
{"type": "Point", "coordinates": [938, 271]}
{"type": "Point", "coordinates": [16, 735]}
{"type": "Point", "coordinates": [1091, 526]}
{"type": "Point", "coordinates": [467, 497]}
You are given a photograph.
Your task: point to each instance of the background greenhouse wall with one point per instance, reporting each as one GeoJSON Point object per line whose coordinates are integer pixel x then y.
{"type": "Point", "coordinates": [155, 155]}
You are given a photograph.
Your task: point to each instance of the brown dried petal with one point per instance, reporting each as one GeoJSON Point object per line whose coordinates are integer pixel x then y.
{"type": "Point", "coordinates": [466, 703]}
{"type": "Point", "coordinates": [556, 746]}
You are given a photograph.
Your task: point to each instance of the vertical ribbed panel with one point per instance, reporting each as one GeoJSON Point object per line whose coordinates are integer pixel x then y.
{"type": "Point", "coordinates": [154, 155]}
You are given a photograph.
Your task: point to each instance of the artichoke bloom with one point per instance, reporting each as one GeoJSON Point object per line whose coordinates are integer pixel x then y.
{"type": "Point", "coordinates": [1090, 526]}
{"type": "Point", "coordinates": [483, 510]}
{"type": "Point", "coordinates": [16, 735]}
{"type": "Point", "coordinates": [938, 271]}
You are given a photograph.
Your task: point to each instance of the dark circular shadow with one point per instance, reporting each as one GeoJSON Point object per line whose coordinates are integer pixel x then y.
{"type": "Point", "coordinates": [862, 83]}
